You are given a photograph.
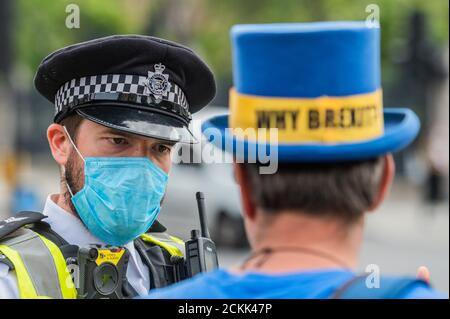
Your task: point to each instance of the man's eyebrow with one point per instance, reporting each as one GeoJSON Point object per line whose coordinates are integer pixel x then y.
{"type": "Point", "coordinates": [170, 143]}
{"type": "Point", "coordinates": [108, 130]}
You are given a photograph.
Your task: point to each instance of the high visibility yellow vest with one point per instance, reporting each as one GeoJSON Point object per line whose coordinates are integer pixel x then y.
{"type": "Point", "coordinates": [41, 269]}
{"type": "Point", "coordinates": [39, 265]}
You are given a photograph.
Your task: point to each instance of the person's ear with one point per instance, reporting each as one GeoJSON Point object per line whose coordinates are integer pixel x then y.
{"type": "Point", "coordinates": [386, 180]}
{"type": "Point", "coordinates": [241, 178]}
{"type": "Point", "coordinates": [59, 143]}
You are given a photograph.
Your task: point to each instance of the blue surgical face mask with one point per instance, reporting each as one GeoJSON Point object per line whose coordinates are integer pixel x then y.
{"type": "Point", "coordinates": [121, 196]}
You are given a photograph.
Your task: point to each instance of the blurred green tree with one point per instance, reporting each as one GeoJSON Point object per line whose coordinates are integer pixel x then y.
{"type": "Point", "coordinates": [39, 25]}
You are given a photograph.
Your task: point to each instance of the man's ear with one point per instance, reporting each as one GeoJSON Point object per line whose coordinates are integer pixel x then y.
{"type": "Point", "coordinates": [59, 143]}
{"type": "Point", "coordinates": [241, 178]}
{"type": "Point", "coordinates": [386, 180]}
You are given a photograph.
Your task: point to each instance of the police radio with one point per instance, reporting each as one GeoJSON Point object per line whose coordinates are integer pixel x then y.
{"type": "Point", "coordinates": [201, 254]}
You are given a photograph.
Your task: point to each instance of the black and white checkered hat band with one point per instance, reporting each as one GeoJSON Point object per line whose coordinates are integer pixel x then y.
{"type": "Point", "coordinates": [78, 89]}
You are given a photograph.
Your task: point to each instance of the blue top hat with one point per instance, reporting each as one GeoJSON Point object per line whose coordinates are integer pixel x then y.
{"type": "Point", "coordinates": [313, 91]}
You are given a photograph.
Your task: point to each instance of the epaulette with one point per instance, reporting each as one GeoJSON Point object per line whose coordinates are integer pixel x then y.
{"type": "Point", "coordinates": [13, 223]}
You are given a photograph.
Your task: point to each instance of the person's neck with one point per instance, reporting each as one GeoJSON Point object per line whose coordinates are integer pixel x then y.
{"type": "Point", "coordinates": [61, 201]}
{"type": "Point", "coordinates": [300, 242]}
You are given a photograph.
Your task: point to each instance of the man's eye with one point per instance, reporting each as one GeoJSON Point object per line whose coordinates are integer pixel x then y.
{"type": "Point", "coordinates": [163, 148]}
{"type": "Point", "coordinates": [118, 141]}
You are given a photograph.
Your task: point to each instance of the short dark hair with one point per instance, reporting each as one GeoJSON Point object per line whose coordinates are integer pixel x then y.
{"type": "Point", "coordinates": [342, 190]}
{"type": "Point", "coordinates": [72, 123]}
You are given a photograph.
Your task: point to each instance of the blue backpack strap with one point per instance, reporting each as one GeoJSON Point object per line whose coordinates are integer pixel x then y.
{"type": "Point", "coordinates": [390, 288]}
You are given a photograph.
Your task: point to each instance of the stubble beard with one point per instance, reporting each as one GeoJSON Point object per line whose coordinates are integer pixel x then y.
{"type": "Point", "coordinates": [73, 178]}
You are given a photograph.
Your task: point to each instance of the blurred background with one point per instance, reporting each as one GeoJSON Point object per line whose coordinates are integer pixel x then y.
{"type": "Point", "coordinates": [411, 229]}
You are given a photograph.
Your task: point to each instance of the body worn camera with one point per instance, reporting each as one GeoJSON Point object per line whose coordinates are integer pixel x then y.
{"type": "Point", "coordinates": [102, 272]}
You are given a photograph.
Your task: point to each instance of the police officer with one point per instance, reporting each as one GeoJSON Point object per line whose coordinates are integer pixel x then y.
{"type": "Point", "coordinates": [121, 104]}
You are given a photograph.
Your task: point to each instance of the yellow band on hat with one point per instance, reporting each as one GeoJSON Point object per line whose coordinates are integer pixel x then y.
{"type": "Point", "coordinates": [317, 120]}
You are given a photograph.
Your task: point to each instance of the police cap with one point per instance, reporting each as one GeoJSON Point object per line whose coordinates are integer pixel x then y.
{"type": "Point", "coordinates": [137, 84]}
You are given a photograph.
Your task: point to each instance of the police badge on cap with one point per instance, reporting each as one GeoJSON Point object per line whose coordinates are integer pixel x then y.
{"type": "Point", "coordinates": [157, 83]}
{"type": "Point", "coordinates": [138, 84]}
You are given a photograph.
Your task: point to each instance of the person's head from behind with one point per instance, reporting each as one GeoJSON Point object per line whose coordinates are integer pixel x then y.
{"type": "Point", "coordinates": [311, 199]}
